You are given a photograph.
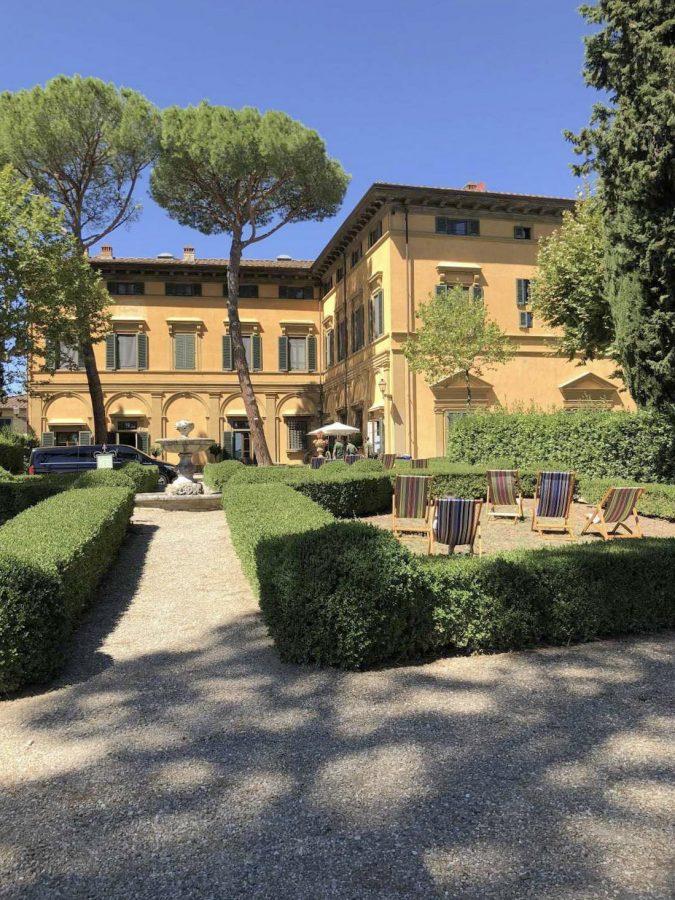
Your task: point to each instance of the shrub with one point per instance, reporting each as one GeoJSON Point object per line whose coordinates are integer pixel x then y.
{"type": "Point", "coordinates": [142, 478]}
{"type": "Point", "coordinates": [658, 499]}
{"type": "Point", "coordinates": [553, 596]}
{"type": "Point", "coordinates": [368, 465]}
{"type": "Point", "coordinates": [256, 512]}
{"type": "Point", "coordinates": [11, 455]}
{"type": "Point", "coordinates": [20, 492]}
{"type": "Point", "coordinates": [51, 559]}
{"type": "Point", "coordinates": [638, 446]}
{"type": "Point", "coordinates": [216, 475]}
{"type": "Point", "coordinates": [336, 486]}
{"type": "Point", "coordinates": [460, 480]}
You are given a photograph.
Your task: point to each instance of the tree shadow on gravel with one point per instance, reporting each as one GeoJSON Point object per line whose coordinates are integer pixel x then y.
{"type": "Point", "coordinates": [222, 772]}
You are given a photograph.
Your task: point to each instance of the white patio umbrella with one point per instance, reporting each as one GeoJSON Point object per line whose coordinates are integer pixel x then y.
{"type": "Point", "coordinates": [334, 429]}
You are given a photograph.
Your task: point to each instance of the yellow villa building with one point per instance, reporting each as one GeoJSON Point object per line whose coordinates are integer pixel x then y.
{"type": "Point", "coordinates": [324, 338]}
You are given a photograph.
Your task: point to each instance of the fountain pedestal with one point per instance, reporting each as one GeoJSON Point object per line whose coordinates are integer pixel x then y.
{"type": "Point", "coordinates": [185, 446]}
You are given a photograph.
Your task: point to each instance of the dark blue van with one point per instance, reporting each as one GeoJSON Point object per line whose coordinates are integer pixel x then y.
{"type": "Point", "coordinates": [57, 460]}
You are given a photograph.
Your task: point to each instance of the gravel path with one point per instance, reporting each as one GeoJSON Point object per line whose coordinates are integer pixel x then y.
{"type": "Point", "coordinates": [178, 758]}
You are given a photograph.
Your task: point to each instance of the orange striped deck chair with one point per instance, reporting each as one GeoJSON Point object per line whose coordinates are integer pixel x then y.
{"type": "Point", "coordinates": [552, 502]}
{"type": "Point", "coordinates": [503, 489]}
{"type": "Point", "coordinates": [411, 506]}
{"type": "Point", "coordinates": [617, 509]}
{"type": "Point", "coordinates": [420, 463]}
{"type": "Point", "coordinates": [457, 523]}
{"type": "Point", "coordinates": [388, 460]}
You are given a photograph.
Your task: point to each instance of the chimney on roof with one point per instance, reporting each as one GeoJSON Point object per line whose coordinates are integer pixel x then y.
{"type": "Point", "coordinates": [475, 186]}
{"type": "Point", "coordinates": [106, 251]}
{"type": "Point", "coordinates": [189, 254]}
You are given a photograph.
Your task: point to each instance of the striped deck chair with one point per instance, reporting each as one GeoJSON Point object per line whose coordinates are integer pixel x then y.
{"type": "Point", "coordinates": [317, 461]}
{"type": "Point", "coordinates": [457, 523]}
{"type": "Point", "coordinates": [350, 458]}
{"type": "Point", "coordinates": [617, 506]}
{"type": "Point", "coordinates": [552, 502]}
{"type": "Point", "coordinates": [411, 506]}
{"type": "Point", "coordinates": [420, 463]}
{"type": "Point", "coordinates": [503, 489]}
{"type": "Point", "coordinates": [388, 460]}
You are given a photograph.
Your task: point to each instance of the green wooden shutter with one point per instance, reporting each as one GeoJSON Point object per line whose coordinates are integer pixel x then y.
{"type": "Point", "coordinates": [84, 438]}
{"type": "Point", "coordinates": [311, 353]}
{"type": "Point", "coordinates": [256, 352]}
{"type": "Point", "coordinates": [227, 353]}
{"type": "Point", "coordinates": [143, 441]}
{"type": "Point", "coordinates": [227, 445]}
{"type": "Point", "coordinates": [110, 352]}
{"type": "Point", "coordinates": [283, 353]}
{"type": "Point", "coordinates": [184, 348]}
{"type": "Point", "coordinates": [47, 439]}
{"type": "Point", "coordinates": [142, 350]}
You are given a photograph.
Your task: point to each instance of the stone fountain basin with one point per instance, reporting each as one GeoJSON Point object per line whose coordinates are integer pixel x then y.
{"type": "Point", "coordinates": [184, 445]}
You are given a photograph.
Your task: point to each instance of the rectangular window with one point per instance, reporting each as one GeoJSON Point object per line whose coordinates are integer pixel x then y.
{"type": "Point", "coordinates": [328, 348]}
{"type": "Point", "coordinates": [356, 255]}
{"type": "Point", "coordinates": [326, 286]}
{"type": "Point", "coordinates": [375, 234]}
{"type": "Point", "coordinates": [377, 314]}
{"type": "Point", "coordinates": [459, 227]}
{"type": "Point", "coordinates": [246, 291]}
{"type": "Point", "coordinates": [290, 292]}
{"type": "Point", "coordinates": [297, 354]}
{"type": "Point", "coordinates": [525, 320]}
{"type": "Point", "coordinates": [339, 274]}
{"type": "Point", "coordinates": [126, 287]}
{"type": "Point", "coordinates": [358, 338]}
{"type": "Point", "coordinates": [522, 232]}
{"type": "Point", "coordinates": [5, 423]}
{"type": "Point", "coordinates": [127, 351]}
{"type": "Point", "coordinates": [66, 438]}
{"type": "Point", "coordinates": [342, 340]}
{"type": "Point", "coordinates": [178, 289]}
{"type": "Point", "coordinates": [68, 357]}
{"type": "Point", "coordinates": [522, 291]}
{"type": "Point", "coordinates": [297, 433]}
{"type": "Point", "coordinates": [185, 350]}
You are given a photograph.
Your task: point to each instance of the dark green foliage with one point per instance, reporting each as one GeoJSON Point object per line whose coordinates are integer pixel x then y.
{"type": "Point", "coordinates": [552, 596]}
{"type": "Point", "coordinates": [260, 512]}
{"type": "Point", "coordinates": [458, 480]}
{"type": "Point", "coordinates": [143, 479]}
{"type": "Point", "coordinates": [216, 475]}
{"type": "Point", "coordinates": [23, 491]}
{"type": "Point", "coordinates": [630, 145]}
{"type": "Point", "coordinates": [51, 559]}
{"type": "Point", "coordinates": [637, 446]}
{"type": "Point", "coordinates": [11, 455]}
{"type": "Point", "coordinates": [336, 486]}
{"type": "Point", "coordinates": [658, 499]}
{"type": "Point", "coordinates": [368, 465]}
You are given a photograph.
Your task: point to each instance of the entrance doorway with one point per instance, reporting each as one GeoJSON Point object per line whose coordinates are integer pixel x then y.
{"type": "Point", "coordinates": [376, 435]}
{"type": "Point", "coordinates": [242, 448]}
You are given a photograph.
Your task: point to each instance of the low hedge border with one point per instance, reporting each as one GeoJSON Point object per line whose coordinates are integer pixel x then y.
{"type": "Point", "coordinates": [347, 594]}
{"type": "Point", "coordinates": [143, 479]}
{"type": "Point", "coordinates": [658, 500]}
{"type": "Point", "coordinates": [216, 475]}
{"type": "Point", "coordinates": [51, 559]}
{"type": "Point", "coordinates": [23, 491]}
{"type": "Point", "coordinates": [11, 455]}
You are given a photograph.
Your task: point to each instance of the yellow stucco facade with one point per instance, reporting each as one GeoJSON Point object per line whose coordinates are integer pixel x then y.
{"type": "Point", "coordinates": [325, 337]}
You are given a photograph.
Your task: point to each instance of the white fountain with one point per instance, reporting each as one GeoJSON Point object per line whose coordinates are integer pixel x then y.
{"type": "Point", "coordinates": [185, 446]}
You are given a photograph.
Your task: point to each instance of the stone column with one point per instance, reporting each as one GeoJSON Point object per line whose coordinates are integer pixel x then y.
{"type": "Point", "coordinates": [270, 425]}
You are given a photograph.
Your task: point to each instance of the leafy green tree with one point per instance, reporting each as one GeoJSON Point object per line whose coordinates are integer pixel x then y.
{"type": "Point", "coordinates": [570, 289]}
{"type": "Point", "coordinates": [245, 174]}
{"type": "Point", "coordinates": [47, 287]}
{"type": "Point", "coordinates": [83, 144]}
{"type": "Point", "coordinates": [456, 338]}
{"type": "Point", "coordinates": [630, 145]}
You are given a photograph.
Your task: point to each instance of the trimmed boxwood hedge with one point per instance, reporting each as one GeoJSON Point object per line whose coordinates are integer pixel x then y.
{"type": "Point", "coordinates": [144, 479]}
{"type": "Point", "coordinates": [461, 480]}
{"type": "Point", "coordinates": [349, 595]}
{"type": "Point", "coordinates": [216, 475]}
{"type": "Point", "coordinates": [11, 455]}
{"type": "Point", "coordinates": [638, 446]}
{"type": "Point", "coordinates": [23, 491]}
{"type": "Point", "coordinates": [658, 499]}
{"type": "Point", "coordinates": [51, 559]}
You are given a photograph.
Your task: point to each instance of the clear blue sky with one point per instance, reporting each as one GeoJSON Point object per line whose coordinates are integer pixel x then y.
{"type": "Point", "coordinates": [434, 92]}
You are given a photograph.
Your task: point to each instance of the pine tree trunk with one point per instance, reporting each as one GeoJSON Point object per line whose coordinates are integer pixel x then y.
{"type": "Point", "coordinates": [95, 392]}
{"type": "Point", "coordinates": [262, 453]}
{"type": "Point", "coordinates": [468, 390]}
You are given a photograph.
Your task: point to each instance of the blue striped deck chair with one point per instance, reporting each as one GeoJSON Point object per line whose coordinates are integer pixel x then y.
{"type": "Point", "coordinates": [316, 462]}
{"type": "Point", "coordinates": [411, 506]}
{"type": "Point", "coordinates": [552, 502]}
{"type": "Point", "coordinates": [457, 523]}
{"type": "Point", "coordinates": [350, 458]}
{"type": "Point", "coordinates": [617, 507]}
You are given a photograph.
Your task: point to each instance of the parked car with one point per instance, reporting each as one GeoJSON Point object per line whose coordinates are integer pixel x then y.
{"type": "Point", "coordinates": [56, 460]}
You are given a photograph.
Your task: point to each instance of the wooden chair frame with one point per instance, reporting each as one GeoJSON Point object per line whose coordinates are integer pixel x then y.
{"type": "Point", "coordinates": [563, 526]}
{"type": "Point", "coordinates": [414, 526]}
{"type": "Point", "coordinates": [388, 460]}
{"type": "Point", "coordinates": [519, 513]}
{"type": "Point", "coordinates": [608, 530]}
{"type": "Point", "coordinates": [475, 534]}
